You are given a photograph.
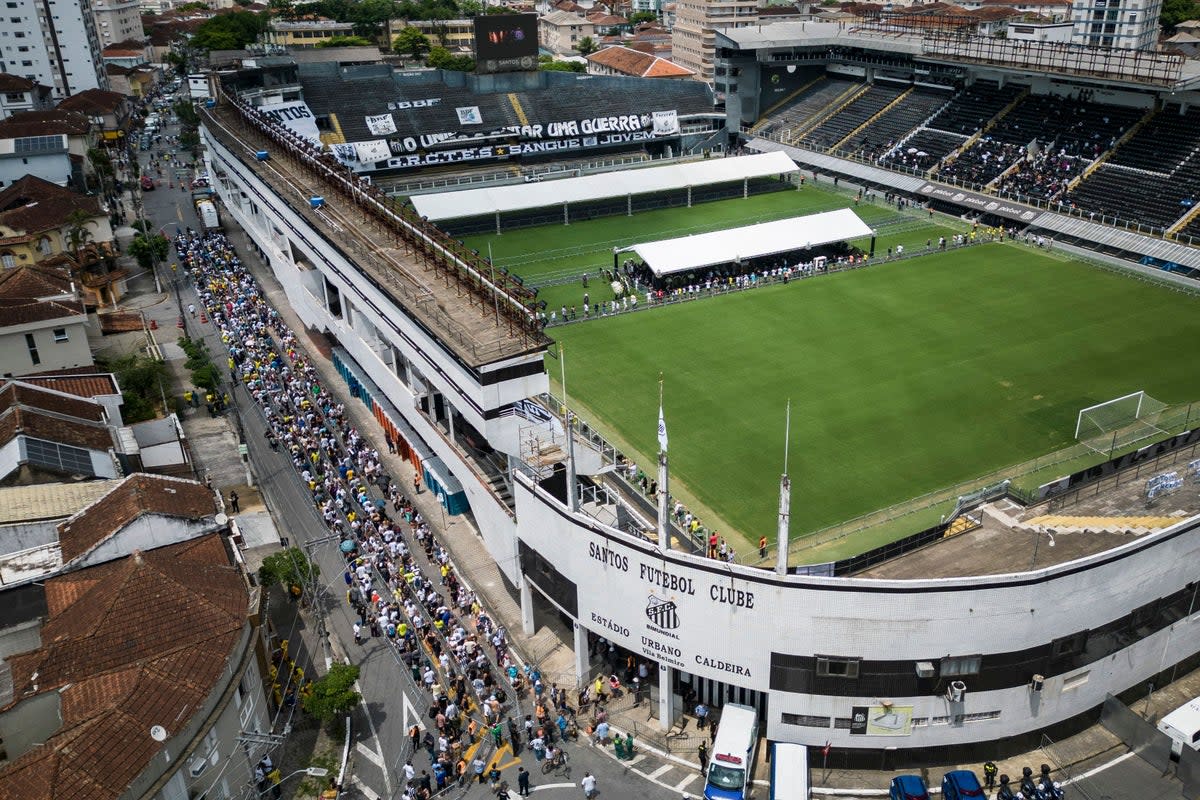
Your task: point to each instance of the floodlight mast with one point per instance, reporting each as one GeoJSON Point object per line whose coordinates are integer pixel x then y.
{"type": "Point", "coordinates": [785, 500]}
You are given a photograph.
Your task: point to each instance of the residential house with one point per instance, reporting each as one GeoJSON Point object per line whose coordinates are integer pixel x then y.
{"type": "Point", "coordinates": [48, 157]}
{"type": "Point", "coordinates": [606, 24]}
{"type": "Point", "coordinates": [126, 54]}
{"type": "Point", "coordinates": [110, 111]}
{"type": "Point", "coordinates": [629, 62]}
{"type": "Point", "coordinates": [43, 326]}
{"type": "Point", "coordinates": [41, 223]}
{"type": "Point", "coordinates": [148, 677]}
{"type": "Point", "coordinates": [132, 81]}
{"type": "Point", "coordinates": [22, 94]}
{"type": "Point", "coordinates": [456, 35]}
{"type": "Point", "coordinates": [560, 31]}
{"type": "Point", "coordinates": [81, 137]}
{"type": "Point", "coordinates": [86, 383]}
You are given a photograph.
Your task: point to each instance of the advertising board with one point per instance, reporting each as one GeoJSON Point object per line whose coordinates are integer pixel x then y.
{"type": "Point", "coordinates": [506, 42]}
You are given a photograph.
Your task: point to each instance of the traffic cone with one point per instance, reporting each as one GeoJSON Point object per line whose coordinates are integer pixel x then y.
{"type": "Point", "coordinates": [203, 318]}
{"type": "Point", "coordinates": [153, 324]}
{"type": "Point", "coordinates": [180, 323]}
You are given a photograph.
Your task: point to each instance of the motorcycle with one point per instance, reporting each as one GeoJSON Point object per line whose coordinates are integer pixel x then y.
{"type": "Point", "coordinates": [1050, 788]}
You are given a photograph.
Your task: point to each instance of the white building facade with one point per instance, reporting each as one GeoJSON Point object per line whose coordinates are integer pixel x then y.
{"type": "Point", "coordinates": [53, 44]}
{"type": "Point", "coordinates": [1122, 24]}
{"type": "Point", "coordinates": [117, 21]}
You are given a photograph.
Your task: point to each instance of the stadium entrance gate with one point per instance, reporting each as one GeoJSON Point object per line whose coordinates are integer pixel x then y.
{"type": "Point", "coordinates": [715, 694]}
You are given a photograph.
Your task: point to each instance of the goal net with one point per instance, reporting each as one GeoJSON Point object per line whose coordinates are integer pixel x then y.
{"type": "Point", "coordinates": [1115, 424]}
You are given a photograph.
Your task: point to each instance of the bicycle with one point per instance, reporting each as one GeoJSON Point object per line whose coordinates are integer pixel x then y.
{"type": "Point", "coordinates": [552, 764]}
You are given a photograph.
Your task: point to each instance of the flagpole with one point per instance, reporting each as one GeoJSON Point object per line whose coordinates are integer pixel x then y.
{"type": "Point", "coordinates": [572, 493]}
{"type": "Point", "coordinates": [785, 501]}
{"type": "Point", "coordinates": [664, 494]}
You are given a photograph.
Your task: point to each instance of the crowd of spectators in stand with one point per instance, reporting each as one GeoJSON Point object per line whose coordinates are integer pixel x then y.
{"type": "Point", "coordinates": [982, 162]}
{"type": "Point", "coordinates": [434, 622]}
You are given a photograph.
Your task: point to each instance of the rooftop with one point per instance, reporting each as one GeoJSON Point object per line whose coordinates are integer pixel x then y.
{"type": "Point", "coordinates": [14, 393]}
{"type": "Point", "coordinates": [22, 420]}
{"type": "Point", "coordinates": [137, 495]}
{"type": "Point", "coordinates": [31, 204]}
{"type": "Point", "coordinates": [44, 501]}
{"type": "Point", "coordinates": [15, 83]}
{"type": "Point", "coordinates": [96, 102]}
{"type": "Point", "coordinates": [43, 123]}
{"type": "Point", "coordinates": [459, 322]}
{"type": "Point", "coordinates": [628, 61]}
{"type": "Point", "coordinates": [129, 644]}
{"type": "Point", "coordinates": [35, 280]}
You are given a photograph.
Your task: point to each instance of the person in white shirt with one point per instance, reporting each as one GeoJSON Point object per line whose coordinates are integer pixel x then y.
{"type": "Point", "coordinates": [589, 785]}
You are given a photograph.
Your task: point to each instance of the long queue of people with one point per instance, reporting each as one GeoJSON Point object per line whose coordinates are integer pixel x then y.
{"type": "Point", "coordinates": [435, 623]}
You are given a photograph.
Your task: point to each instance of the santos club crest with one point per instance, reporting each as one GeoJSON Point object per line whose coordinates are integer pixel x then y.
{"type": "Point", "coordinates": [662, 613]}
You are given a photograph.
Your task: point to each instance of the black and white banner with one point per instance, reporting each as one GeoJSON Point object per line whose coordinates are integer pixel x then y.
{"type": "Point", "coordinates": [372, 151]}
{"type": "Point", "coordinates": [666, 123]}
{"type": "Point", "coordinates": [381, 125]}
{"type": "Point", "coordinates": [469, 115]}
{"type": "Point", "coordinates": [296, 116]}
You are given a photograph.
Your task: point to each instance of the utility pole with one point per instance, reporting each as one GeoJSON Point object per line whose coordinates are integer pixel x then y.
{"type": "Point", "coordinates": [314, 589]}
{"type": "Point", "coordinates": [785, 502]}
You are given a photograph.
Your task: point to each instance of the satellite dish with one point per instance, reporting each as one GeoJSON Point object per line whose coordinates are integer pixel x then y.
{"type": "Point", "coordinates": [158, 733]}
{"type": "Point", "coordinates": [221, 519]}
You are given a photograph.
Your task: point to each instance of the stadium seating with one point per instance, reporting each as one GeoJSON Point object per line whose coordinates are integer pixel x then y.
{"type": "Point", "coordinates": [894, 124]}
{"type": "Point", "coordinates": [923, 150]}
{"type": "Point", "coordinates": [845, 120]}
{"type": "Point", "coordinates": [949, 129]}
{"type": "Point", "coordinates": [1070, 134]}
{"type": "Point", "coordinates": [809, 104]}
{"type": "Point", "coordinates": [1153, 178]}
{"type": "Point", "coordinates": [1136, 525]}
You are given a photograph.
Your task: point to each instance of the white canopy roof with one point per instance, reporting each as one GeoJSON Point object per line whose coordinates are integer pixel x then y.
{"type": "Point", "coordinates": [764, 239]}
{"type": "Point", "coordinates": [524, 196]}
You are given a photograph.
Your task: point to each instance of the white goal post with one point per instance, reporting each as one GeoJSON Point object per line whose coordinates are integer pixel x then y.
{"type": "Point", "coordinates": [1115, 423]}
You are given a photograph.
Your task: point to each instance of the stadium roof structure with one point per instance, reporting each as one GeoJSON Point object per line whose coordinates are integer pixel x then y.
{"type": "Point", "coordinates": [525, 196]}
{"type": "Point", "coordinates": [669, 256]}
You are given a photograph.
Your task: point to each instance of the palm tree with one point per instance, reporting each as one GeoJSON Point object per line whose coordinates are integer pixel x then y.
{"type": "Point", "coordinates": [78, 233]}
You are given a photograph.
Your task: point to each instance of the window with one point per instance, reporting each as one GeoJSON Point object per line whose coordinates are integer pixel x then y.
{"type": "Point", "coordinates": [805, 720]}
{"type": "Point", "coordinates": [60, 335]}
{"type": "Point", "coordinates": [8, 260]}
{"type": "Point", "coordinates": [1069, 645]}
{"type": "Point", "coordinates": [834, 667]}
{"type": "Point", "coordinates": [960, 665]}
{"type": "Point", "coordinates": [31, 343]}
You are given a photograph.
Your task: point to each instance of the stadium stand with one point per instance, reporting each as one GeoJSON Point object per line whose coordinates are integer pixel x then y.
{"type": "Point", "coordinates": [1134, 525]}
{"type": "Point", "coordinates": [1070, 133]}
{"type": "Point", "coordinates": [950, 128]}
{"type": "Point", "coordinates": [845, 120]}
{"type": "Point", "coordinates": [808, 105]}
{"type": "Point", "coordinates": [891, 126]}
{"type": "Point", "coordinates": [1153, 178]}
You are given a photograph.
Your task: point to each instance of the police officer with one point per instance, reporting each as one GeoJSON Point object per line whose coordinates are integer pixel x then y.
{"type": "Point", "coordinates": [989, 775]}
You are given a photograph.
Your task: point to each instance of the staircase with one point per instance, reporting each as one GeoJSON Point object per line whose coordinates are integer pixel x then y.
{"type": "Point", "coordinates": [980, 133]}
{"type": "Point", "coordinates": [1184, 221]}
{"type": "Point", "coordinates": [515, 102]}
{"type": "Point", "coordinates": [962, 524]}
{"type": "Point", "coordinates": [874, 117]}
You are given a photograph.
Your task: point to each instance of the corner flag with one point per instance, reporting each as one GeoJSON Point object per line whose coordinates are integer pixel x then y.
{"type": "Point", "coordinates": [662, 430]}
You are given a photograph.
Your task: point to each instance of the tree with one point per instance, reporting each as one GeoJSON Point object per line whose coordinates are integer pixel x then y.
{"type": "Point", "coordinates": [78, 233]}
{"type": "Point", "coordinates": [333, 696]}
{"type": "Point", "coordinates": [410, 42]}
{"type": "Point", "coordinates": [470, 8]}
{"type": "Point", "coordinates": [586, 46]}
{"type": "Point", "coordinates": [178, 61]}
{"type": "Point", "coordinates": [369, 16]}
{"type": "Point", "coordinates": [441, 58]}
{"type": "Point", "coordinates": [141, 378]}
{"type": "Point", "coordinates": [148, 248]}
{"type": "Point", "coordinates": [345, 41]}
{"type": "Point", "coordinates": [643, 16]}
{"type": "Point", "coordinates": [1177, 11]}
{"type": "Point", "coordinates": [229, 31]}
{"type": "Point", "coordinates": [561, 66]}
{"type": "Point", "coordinates": [290, 567]}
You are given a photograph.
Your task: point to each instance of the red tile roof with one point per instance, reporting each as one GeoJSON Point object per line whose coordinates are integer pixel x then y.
{"type": "Point", "coordinates": [138, 494]}
{"type": "Point", "coordinates": [94, 102]}
{"type": "Point", "coordinates": [35, 280]}
{"type": "Point", "coordinates": [15, 83]}
{"type": "Point", "coordinates": [15, 394]}
{"type": "Point", "coordinates": [628, 61]}
{"type": "Point", "coordinates": [23, 310]}
{"type": "Point", "coordinates": [31, 204]}
{"type": "Point", "coordinates": [133, 643]}
{"type": "Point", "coordinates": [84, 384]}
{"type": "Point", "coordinates": [45, 123]}
{"type": "Point", "coordinates": [53, 429]}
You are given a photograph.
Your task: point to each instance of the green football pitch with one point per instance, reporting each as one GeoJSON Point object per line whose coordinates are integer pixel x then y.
{"type": "Point", "coordinates": [903, 378]}
{"type": "Point", "coordinates": [554, 257]}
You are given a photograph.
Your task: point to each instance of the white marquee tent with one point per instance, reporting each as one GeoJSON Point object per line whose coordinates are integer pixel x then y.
{"type": "Point", "coordinates": [668, 256]}
{"type": "Point", "coordinates": [525, 196]}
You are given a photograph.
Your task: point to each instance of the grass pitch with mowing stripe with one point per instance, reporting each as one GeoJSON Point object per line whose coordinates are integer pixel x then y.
{"type": "Point", "coordinates": [904, 378]}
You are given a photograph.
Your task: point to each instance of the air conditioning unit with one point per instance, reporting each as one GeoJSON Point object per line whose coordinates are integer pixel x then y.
{"type": "Point", "coordinates": [925, 669]}
{"type": "Point", "coordinates": [197, 766]}
{"type": "Point", "coordinates": [956, 691]}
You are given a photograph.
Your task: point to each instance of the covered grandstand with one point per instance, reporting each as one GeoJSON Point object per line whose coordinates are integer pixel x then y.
{"type": "Point", "coordinates": [693, 179]}
{"type": "Point", "coordinates": [750, 242]}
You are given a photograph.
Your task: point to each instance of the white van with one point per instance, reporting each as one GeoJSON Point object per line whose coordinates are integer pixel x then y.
{"type": "Point", "coordinates": [789, 771]}
{"type": "Point", "coordinates": [733, 752]}
{"type": "Point", "coordinates": [1183, 726]}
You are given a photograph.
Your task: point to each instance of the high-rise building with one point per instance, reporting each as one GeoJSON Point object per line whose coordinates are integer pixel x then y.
{"type": "Point", "coordinates": [52, 42]}
{"type": "Point", "coordinates": [1123, 24]}
{"type": "Point", "coordinates": [693, 39]}
{"type": "Point", "coordinates": [117, 21]}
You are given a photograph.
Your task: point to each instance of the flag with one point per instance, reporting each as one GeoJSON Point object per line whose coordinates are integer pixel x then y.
{"type": "Point", "coordinates": [662, 430]}
{"type": "Point", "coordinates": [825, 750]}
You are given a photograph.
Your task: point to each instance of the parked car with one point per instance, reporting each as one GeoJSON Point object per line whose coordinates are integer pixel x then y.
{"type": "Point", "coordinates": [962, 784]}
{"type": "Point", "coordinates": [909, 787]}
{"type": "Point", "coordinates": [147, 183]}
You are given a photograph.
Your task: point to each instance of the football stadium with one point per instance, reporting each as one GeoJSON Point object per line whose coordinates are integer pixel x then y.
{"type": "Point", "coordinates": [916, 310]}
